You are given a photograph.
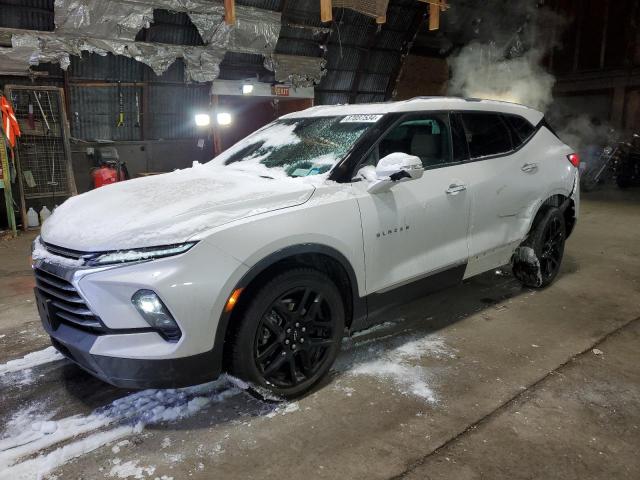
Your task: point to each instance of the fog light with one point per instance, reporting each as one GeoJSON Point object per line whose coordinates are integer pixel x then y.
{"type": "Point", "coordinates": [156, 314]}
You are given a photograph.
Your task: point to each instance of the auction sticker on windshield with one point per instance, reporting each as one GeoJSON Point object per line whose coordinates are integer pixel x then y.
{"type": "Point", "coordinates": [362, 118]}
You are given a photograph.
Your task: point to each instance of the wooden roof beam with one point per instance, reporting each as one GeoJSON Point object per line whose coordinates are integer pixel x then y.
{"type": "Point", "coordinates": [230, 12]}
{"type": "Point", "coordinates": [326, 14]}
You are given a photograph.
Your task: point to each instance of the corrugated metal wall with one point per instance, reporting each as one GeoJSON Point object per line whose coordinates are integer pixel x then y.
{"type": "Point", "coordinates": [28, 14]}
{"type": "Point", "coordinates": [173, 108]}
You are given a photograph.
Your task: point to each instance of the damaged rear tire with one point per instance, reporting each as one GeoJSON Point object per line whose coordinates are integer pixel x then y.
{"type": "Point", "coordinates": [537, 261]}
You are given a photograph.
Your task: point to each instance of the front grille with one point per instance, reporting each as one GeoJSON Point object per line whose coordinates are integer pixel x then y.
{"type": "Point", "coordinates": [66, 304]}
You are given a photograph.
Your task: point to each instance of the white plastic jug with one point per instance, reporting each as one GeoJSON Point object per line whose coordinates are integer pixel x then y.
{"type": "Point", "coordinates": [32, 218]}
{"type": "Point", "coordinates": [44, 214]}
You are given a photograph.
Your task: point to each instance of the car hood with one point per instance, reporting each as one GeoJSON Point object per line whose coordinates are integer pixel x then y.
{"type": "Point", "coordinates": [168, 208]}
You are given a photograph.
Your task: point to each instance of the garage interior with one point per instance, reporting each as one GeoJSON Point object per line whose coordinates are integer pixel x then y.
{"type": "Point", "coordinates": [514, 383]}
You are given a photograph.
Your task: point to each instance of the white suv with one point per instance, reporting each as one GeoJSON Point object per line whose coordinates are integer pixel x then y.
{"type": "Point", "coordinates": [259, 261]}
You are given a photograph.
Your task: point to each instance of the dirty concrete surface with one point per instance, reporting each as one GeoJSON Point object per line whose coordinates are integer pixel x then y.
{"type": "Point", "coordinates": [486, 380]}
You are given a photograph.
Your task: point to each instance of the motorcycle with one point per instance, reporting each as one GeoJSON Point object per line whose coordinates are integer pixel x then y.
{"type": "Point", "coordinates": [619, 161]}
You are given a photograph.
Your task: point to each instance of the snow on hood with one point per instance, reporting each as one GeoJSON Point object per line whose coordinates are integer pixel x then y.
{"type": "Point", "coordinates": [168, 208]}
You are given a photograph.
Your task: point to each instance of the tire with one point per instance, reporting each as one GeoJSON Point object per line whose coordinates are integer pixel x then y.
{"type": "Point", "coordinates": [537, 261]}
{"type": "Point", "coordinates": [290, 333]}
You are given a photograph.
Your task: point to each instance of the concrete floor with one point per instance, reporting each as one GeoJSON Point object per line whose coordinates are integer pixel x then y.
{"type": "Point", "coordinates": [487, 380]}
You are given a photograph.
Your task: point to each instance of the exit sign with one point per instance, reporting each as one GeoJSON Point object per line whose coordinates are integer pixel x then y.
{"type": "Point", "coordinates": [280, 90]}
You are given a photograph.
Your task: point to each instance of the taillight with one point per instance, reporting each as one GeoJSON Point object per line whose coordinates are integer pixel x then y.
{"type": "Point", "coordinates": [574, 158]}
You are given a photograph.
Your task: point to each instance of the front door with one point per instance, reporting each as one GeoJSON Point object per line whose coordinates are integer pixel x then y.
{"type": "Point", "coordinates": [419, 227]}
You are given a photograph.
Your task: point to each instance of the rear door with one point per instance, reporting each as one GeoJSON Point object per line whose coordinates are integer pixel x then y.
{"type": "Point", "coordinates": [506, 184]}
{"type": "Point", "coordinates": [416, 228]}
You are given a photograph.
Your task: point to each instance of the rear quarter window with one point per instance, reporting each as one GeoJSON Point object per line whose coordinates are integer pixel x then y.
{"type": "Point", "coordinates": [520, 127]}
{"type": "Point", "coordinates": [487, 134]}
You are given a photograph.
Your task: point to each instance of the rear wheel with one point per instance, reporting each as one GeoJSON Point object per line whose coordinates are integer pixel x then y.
{"type": "Point", "coordinates": [290, 333]}
{"type": "Point", "coordinates": [537, 261]}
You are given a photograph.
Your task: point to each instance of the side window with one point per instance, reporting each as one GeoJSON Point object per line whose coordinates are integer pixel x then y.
{"type": "Point", "coordinates": [426, 137]}
{"type": "Point", "coordinates": [460, 148]}
{"type": "Point", "coordinates": [487, 134]}
{"type": "Point", "coordinates": [520, 127]}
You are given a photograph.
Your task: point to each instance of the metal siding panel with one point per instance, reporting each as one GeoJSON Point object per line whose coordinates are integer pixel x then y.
{"type": "Point", "coordinates": [30, 15]}
{"type": "Point", "coordinates": [107, 68]}
{"type": "Point", "coordinates": [295, 47]}
{"type": "Point", "coordinates": [337, 80]}
{"type": "Point", "coordinates": [370, 98]}
{"type": "Point", "coordinates": [373, 82]}
{"type": "Point", "coordinates": [94, 113]}
{"type": "Point", "coordinates": [172, 109]}
{"type": "Point", "coordinates": [275, 5]}
{"type": "Point", "coordinates": [343, 58]}
{"type": "Point", "coordinates": [382, 62]}
{"type": "Point", "coordinates": [327, 98]}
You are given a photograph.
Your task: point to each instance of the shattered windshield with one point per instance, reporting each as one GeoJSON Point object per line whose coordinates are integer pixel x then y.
{"type": "Point", "coordinates": [297, 147]}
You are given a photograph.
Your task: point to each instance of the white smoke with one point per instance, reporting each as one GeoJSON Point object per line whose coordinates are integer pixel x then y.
{"type": "Point", "coordinates": [505, 60]}
{"type": "Point", "coordinates": [481, 71]}
{"type": "Point", "coordinates": [582, 131]}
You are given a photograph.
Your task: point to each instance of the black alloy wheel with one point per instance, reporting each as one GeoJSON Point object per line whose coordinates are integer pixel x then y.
{"type": "Point", "coordinates": [552, 248]}
{"type": "Point", "coordinates": [546, 245]}
{"type": "Point", "coordinates": [293, 337]}
{"type": "Point", "coordinates": [290, 333]}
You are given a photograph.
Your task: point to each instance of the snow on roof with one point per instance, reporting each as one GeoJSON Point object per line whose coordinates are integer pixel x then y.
{"type": "Point", "coordinates": [421, 103]}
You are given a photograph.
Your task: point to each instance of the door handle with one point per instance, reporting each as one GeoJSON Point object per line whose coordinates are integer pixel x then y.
{"type": "Point", "coordinates": [455, 188]}
{"type": "Point", "coordinates": [529, 167]}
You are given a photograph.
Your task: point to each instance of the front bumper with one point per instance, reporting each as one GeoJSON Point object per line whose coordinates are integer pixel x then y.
{"type": "Point", "coordinates": [123, 350]}
{"type": "Point", "coordinates": [76, 345]}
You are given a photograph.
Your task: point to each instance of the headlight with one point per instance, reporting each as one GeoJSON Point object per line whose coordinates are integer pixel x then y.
{"type": "Point", "coordinates": [156, 314]}
{"type": "Point", "coordinates": [139, 254]}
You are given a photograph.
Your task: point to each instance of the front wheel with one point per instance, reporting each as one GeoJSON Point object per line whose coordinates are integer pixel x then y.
{"type": "Point", "coordinates": [290, 333]}
{"type": "Point", "coordinates": [537, 261]}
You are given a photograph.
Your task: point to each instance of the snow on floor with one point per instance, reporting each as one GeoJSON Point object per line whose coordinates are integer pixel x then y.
{"type": "Point", "coordinates": [34, 443]}
{"type": "Point", "coordinates": [31, 360]}
{"type": "Point", "coordinates": [131, 469]}
{"type": "Point", "coordinates": [376, 328]}
{"type": "Point", "coordinates": [398, 363]}
{"type": "Point", "coordinates": [29, 431]}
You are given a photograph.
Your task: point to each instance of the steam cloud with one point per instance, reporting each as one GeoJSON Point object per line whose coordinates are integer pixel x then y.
{"type": "Point", "coordinates": [505, 61]}
{"type": "Point", "coordinates": [480, 70]}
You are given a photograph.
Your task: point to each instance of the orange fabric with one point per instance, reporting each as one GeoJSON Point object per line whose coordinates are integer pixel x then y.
{"type": "Point", "coordinates": [10, 125]}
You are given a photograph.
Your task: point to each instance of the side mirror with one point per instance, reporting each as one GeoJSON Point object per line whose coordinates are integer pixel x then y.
{"type": "Point", "coordinates": [395, 168]}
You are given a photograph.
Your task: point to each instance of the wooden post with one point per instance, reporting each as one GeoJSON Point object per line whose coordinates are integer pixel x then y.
{"type": "Point", "coordinates": [230, 12]}
{"type": "Point", "coordinates": [326, 15]}
{"type": "Point", "coordinates": [6, 178]}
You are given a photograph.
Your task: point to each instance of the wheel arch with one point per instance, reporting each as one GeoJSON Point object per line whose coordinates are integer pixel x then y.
{"type": "Point", "coordinates": [321, 257]}
{"type": "Point", "coordinates": [566, 205]}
